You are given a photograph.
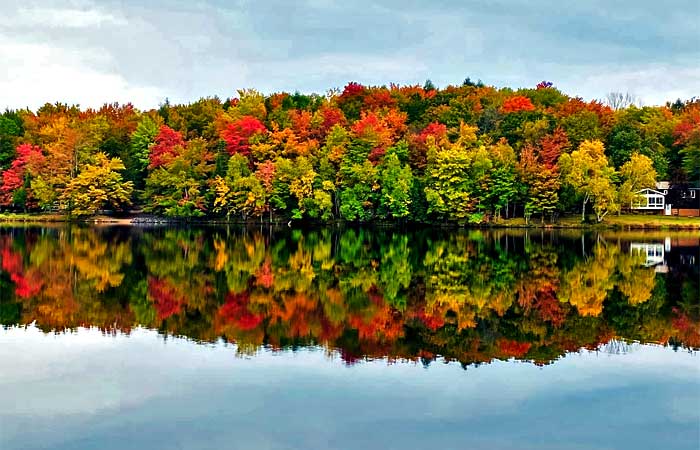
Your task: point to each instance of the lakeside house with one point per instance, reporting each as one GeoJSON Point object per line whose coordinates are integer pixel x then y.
{"type": "Point", "coordinates": [669, 200]}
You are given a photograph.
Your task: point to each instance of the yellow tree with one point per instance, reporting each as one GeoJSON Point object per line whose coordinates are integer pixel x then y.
{"type": "Point", "coordinates": [634, 280]}
{"type": "Point", "coordinates": [240, 191]}
{"type": "Point", "coordinates": [587, 284]}
{"type": "Point", "coordinates": [637, 173]}
{"type": "Point", "coordinates": [588, 172]}
{"type": "Point", "coordinates": [99, 184]}
{"type": "Point", "coordinates": [455, 175]}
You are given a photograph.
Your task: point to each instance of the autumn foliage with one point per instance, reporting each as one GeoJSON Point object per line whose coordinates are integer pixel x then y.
{"type": "Point", "coordinates": [28, 157]}
{"type": "Point", "coordinates": [167, 144]}
{"type": "Point", "coordinates": [516, 104]}
{"type": "Point", "coordinates": [166, 299]}
{"type": "Point", "coordinates": [466, 153]}
{"type": "Point", "coordinates": [238, 134]}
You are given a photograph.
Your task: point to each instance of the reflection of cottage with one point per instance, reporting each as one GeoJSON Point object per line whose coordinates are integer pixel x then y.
{"type": "Point", "coordinates": [669, 200]}
{"type": "Point", "coordinates": [654, 254]}
{"type": "Point", "coordinates": [672, 254]}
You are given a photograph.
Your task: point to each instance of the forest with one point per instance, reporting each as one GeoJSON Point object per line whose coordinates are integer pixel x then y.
{"type": "Point", "coordinates": [471, 297]}
{"type": "Point", "coordinates": [461, 154]}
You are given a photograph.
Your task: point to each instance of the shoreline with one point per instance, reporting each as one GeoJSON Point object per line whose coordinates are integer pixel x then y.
{"type": "Point", "coordinates": [624, 222]}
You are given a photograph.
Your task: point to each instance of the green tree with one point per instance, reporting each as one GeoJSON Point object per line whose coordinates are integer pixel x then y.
{"type": "Point", "coordinates": [582, 126]}
{"type": "Point", "coordinates": [687, 139]}
{"type": "Point", "coordinates": [180, 187]}
{"type": "Point", "coordinates": [240, 191]}
{"type": "Point", "coordinates": [453, 175]}
{"type": "Point", "coordinates": [11, 128]}
{"type": "Point", "coordinates": [141, 141]}
{"type": "Point", "coordinates": [504, 184]}
{"type": "Point", "coordinates": [359, 192]}
{"type": "Point", "coordinates": [397, 182]}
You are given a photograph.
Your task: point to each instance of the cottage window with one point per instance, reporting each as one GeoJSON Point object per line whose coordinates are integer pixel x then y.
{"type": "Point", "coordinates": [655, 200]}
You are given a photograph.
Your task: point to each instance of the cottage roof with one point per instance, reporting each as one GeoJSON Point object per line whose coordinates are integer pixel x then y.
{"type": "Point", "coordinates": [650, 191]}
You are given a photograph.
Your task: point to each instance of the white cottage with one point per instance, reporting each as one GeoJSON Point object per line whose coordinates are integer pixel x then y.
{"type": "Point", "coordinates": [669, 200]}
{"type": "Point", "coordinates": [651, 199]}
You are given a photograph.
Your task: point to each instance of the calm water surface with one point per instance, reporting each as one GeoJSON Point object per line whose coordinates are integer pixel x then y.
{"type": "Point", "coordinates": [133, 338]}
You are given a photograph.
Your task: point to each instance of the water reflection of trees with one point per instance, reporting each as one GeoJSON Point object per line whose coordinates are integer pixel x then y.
{"type": "Point", "coordinates": [470, 297]}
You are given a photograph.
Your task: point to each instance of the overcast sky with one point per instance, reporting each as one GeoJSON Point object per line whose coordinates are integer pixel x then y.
{"type": "Point", "coordinates": [92, 52]}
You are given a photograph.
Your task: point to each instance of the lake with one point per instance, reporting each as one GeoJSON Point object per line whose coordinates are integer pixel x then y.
{"type": "Point", "coordinates": [345, 338]}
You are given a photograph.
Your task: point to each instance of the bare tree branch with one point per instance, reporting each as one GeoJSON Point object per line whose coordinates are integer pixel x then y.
{"type": "Point", "coordinates": [618, 100]}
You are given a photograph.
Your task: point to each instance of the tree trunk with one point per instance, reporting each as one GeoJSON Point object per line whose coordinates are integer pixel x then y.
{"type": "Point", "coordinates": [601, 217]}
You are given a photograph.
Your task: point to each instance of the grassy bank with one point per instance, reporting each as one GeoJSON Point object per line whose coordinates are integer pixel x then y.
{"type": "Point", "coordinates": [630, 221]}
{"type": "Point", "coordinates": [32, 218]}
{"type": "Point", "coordinates": [638, 221]}
{"type": "Point", "coordinates": [572, 222]}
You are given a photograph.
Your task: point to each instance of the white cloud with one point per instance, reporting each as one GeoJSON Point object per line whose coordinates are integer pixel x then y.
{"type": "Point", "coordinates": [328, 71]}
{"type": "Point", "coordinates": [652, 84]}
{"type": "Point", "coordinates": [61, 18]}
{"type": "Point", "coordinates": [90, 52]}
{"type": "Point", "coordinates": [38, 73]}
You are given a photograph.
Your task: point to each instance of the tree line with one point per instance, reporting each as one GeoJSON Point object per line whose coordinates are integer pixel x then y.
{"type": "Point", "coordinates": [461, 154]}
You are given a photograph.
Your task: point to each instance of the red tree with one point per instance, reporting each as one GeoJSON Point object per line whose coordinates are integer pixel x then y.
{"type": "Point", "coordinates": [552, 146]}
{"type": "Point", "coordinates": [235, 311]}
{"type": "Point", "coordinates": [437, 130]}
{"type": "Point", "coordinates": [419, 143]}
{"type": "Point", "coordinates": [688, 130]}
{"type": "Point", "coordinates": [514, 349]}
{"type": "Point", "coordinates": [330, 117]}
{"type": "Point", "coordinates": [517, 103]}
{"type": "Point", "coordinates": [26, 285]}
{"type": "Point", "coordinates": [238, 134]}
{"type": "Point", "coordinates": [352, 89]}
{"type": "Point", "coordinates": [166, 147]}
{"type": "Point", "coordinates": [28, 156]}
{"type": "Point", "coordinates": [372, 128]}
{"type": "Point", "coordinates": [301, 123]}
{"type": "Point", "coordinates": [165, 297]}
{"type": "Point", "coordinates": [380, 98]}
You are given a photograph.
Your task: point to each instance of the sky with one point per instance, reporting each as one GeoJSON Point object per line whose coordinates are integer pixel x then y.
{"type": "Point", "coordinates": [86, 390]}
{"type": "Point", "coordinates": [92, 52]}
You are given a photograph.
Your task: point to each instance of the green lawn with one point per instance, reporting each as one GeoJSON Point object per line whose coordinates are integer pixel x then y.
{"type": "Point", "coordinates": [623, 221]}
{"type": "Point", "coordinates": [639, 221]}
{"type": "Point", "coordinates": [20, 217]}
{"type": "Point", "coordinates": [572, 221]}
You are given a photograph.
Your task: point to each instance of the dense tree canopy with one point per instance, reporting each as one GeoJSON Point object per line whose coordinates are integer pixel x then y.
{"type": "Point", "coordinates": [468, 153]}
